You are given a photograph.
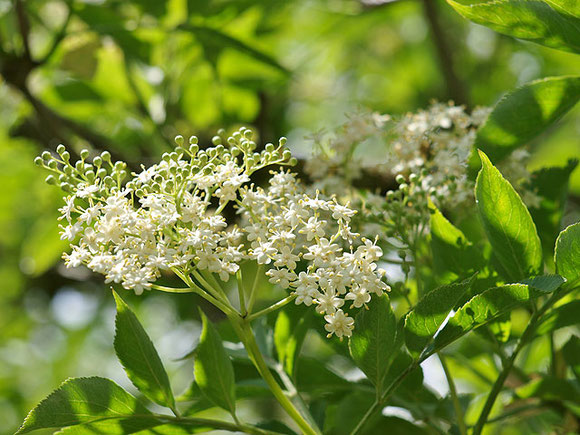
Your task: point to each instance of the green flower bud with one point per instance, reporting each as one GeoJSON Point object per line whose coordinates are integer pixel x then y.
{"type": "Point", "coordinates": [106, 156]}
{"type": "Point", "coordinates": [84, 154]}
{"type": "Point", "coordinates": [38, 161]}
{"type": "Point", "coordinates": [179, 139]}
{"type": "Point", "coordinates": [282, 141]}
{"type": "Point", "coordinates": [60, 149]}
{"type": "Point", "coordinates": [193, 140]}
{"type": "Point", "coordinates": [50, 180]}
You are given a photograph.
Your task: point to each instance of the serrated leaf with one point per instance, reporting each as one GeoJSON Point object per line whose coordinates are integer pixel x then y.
{"type": "Point", "coordinates": [551, 185]}
{"type": "Point", "coordinates": [507, 224]}
{"type": "Point", "coordinates": [560, 317]}
{"type": "Point", "coordinates": [428, 315]}
{"type": "Point", "coordinates": [545, 283]}
{"type": "Point", "coordinates": [139, 356]}
{"type": "Point", "coordinates": [567, 253]}
{"type": "Point", "coordinates": [550, 388]}
{"type": "Point", "coordinates": [213, 369]}
{"type": "Point", "coordinates": [372, 346]}
{"type": "Point", "coordinates": [525, 112]}
{"type": "Point", "coordinates": [289, 332]}
{"type": "Point", "coordinates": [96, 403]}
{"type": "Point", "coordinates": [483, 308]}
{"type": "Point", "coordinates": [450, 247]}
{"type": "Point", "coordinates": [532, 20]}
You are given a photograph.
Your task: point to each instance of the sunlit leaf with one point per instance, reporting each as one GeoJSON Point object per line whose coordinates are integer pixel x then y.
{"type": "Point", "coordinates": [289, 332]}
{"type": "Point", "coordinates": [560, 317]}
{"type": "Point", "coordinates": [532, 20]}
{"type": "Point", "coordinates": [213, 368]}
{"type": "Point", "coordinates": [507, 223]}
{"type": "Point", "coordinates": [96, 403]}
{"type": "Point", "coordinates": [139, 357]}
{"type": "Point", "coordinates": [550, 388]}
{"type": "Point", "coordinates": [567, 253]}
{"type": "Point", "coordinates": [428, 315]}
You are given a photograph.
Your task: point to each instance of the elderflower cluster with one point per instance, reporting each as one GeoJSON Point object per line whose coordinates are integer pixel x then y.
{"type": "Point", "coordinates": [172, 217]}
{"type": "Point", "coordinates": [426, 153]}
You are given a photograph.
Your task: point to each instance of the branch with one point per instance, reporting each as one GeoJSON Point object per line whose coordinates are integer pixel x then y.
{"type": "Point", "coordinates": [23, 26]}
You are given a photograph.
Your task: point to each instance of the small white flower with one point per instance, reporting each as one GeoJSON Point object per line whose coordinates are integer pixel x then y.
{"type": "Point", "coordinates": [339, 324]}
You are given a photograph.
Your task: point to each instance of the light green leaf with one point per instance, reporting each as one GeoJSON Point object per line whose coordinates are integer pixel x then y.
{"type": "Point", "coordinates": [95, 403]}
{"type": "Point", "coordinates": [213, 369]}
{"type": "Point", "coordinates": [560, 317]}
{"type": "Point", "coordinates": [501, 328]}
{"type": "Point", "coordinates": [450, 247]}
{"type": "Point", "coordinates": [525, 112]}
{"type": "Point", "coordinates": [550, 388]}
{"type": "Point", "coordinates": [567, 253]}
{"type": "Point", "coordinates": [430, 312]}
{"type": "Point", "coordinates": [569, 7]}
{"type": "Point", "coordinates": [289, 332]}
{"type": "Point", "coordinates": [139, 357]}
{"type": "Point", "coordinates": [507, 223]}
{"type": "Point", "coordinates": [372, 346]}
{"type": "Point", "coordinates": [545, 283]}
{"type": "Point", "coordinates": [532, 20]}
{"type": "Point", "coordinates": [482, 309]}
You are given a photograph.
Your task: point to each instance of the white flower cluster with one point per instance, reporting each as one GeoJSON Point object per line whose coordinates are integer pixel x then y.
{"type": "Point", "coordinates": [170, 217]}
{"type": "Point", "coordinates": [426, 152]}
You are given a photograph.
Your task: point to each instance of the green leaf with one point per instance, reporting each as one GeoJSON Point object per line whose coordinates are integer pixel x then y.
{"type": "Point", "coordinates": [560, 317]}
{"type": "Point", "coordinates": [213, 369]}
{"type": "Point", "coordinates": [567, 253]}
{"type": "Point", "coordinates": [451, 249]}
{"type": "Point", "coordinates": [507, 223]}
{"type": "Point", "coordinates": [95, 403]}
{"type": "Point", "coordinates": [525, 112]}
{"type": "Point", "coordinates": [545, 283]}
{"type": "Point", "coordinates": [532, 20]}
{"type": "Point", "coordinates": [139, 357]}
{"type": "Point", "coordinates": [214, 40]}
{"type": "Point", "coordinates": [550, 388]}
{"type": "Point", "coordinates": [571, 352]}
{"type": "Point", "coordinates": [501, 328]}
{"type": "Point", "coordinates": [372, 346]}
{"type": "Point", "coordinates": [551, 185]}
{"type": "Point", "coordinates": [289, 332]}
{"type": "Point", "coordinates": [482, 309]}
{"type": "Point", "coordinates": [428, 315]}
{"type": "Point", "coordinates": [568, 7]}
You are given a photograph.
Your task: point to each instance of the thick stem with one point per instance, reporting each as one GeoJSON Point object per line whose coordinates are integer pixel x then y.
{"type": "Point", "coordinates": [247, 336]}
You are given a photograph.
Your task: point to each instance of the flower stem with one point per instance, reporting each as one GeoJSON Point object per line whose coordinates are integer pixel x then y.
{"type": "Point", "coordinates": [244, 330]}
{"type": "Point", "coordinates": [252, 298]}
{"type": "Point", "coordinates": [273, 307]}
{"type": "Point", "coordinates": [454, 397]}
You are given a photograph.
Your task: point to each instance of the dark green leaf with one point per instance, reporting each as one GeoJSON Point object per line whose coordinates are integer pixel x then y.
{"type": "Point", "coordinates": [482, 309]}
{"type": "Point", "coordinates": [397, 426]}
{"type": "Point", "coordinates": [96, 403]}
{"type": "Point", "coordinates": [430, 312]}
{"type": "Point", "coordinates": [213, 369]}
{"type": "Point", "coordinates": [532, 20]}
{"type": "Point", "coordinates": [139, 357]}
{"type": "Point", "coordinates": [526, 112]}
{"type": "Point", "coordinates": [451, 249]}
{"type": "Point", "coordinates": [289, 332]}
{"type": "Point", "coordinates": [372, 346]}
{"type": "Point", "coordinates": [507, 223]}
{"type": "Point", "coordinates": [560, 317]}
{"type": "Point", "coordinates": [545, 283]}
{"type": "Point", "coordinates": [551, 185]}
{"type": "Point", "coordinates": [571, 352]}
{"type": "Point", "coordinates": [567, 253]}
{"type": "Point", "coordinates": [568, 7]}
{"type": "Point", "coordinates": [550, 388]}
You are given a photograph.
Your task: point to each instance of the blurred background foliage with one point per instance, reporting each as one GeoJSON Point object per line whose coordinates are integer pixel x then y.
{"type": "Point", "coordinates": [127, 76]}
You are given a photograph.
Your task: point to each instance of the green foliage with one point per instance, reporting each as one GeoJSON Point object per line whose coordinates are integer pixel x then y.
{"type": "Point", "coordinates": [373, 347]}
{"type": "Point", "coordinates": [139, 357]}
{"type": "Point", "coordinates": [525, 112]}
{"type": "Point", "coordinates": [428, 315]}
{"type": "Point", "coordinates": [213, 369]}
{"type": "Point", "coordinates": [507, 223]}
{"type": "Point", "coordinates": [530, 20]}
{"type": "Point", "coordinates": [551, 388]}
{"type": "Point", "coordinates": [567, 253]}
{"type": "Point", "coordinates": [290, 330]}
{"type": "Point", "coordinates": [98, 404]}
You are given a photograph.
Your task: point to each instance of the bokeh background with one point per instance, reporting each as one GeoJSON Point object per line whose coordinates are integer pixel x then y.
{"type": "Point", "coordinates": [127, 76]}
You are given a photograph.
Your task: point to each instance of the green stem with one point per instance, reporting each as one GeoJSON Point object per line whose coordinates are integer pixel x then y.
{"type": "Point", "coordinates": [273, 307]}
{"type": "Point", "coordinates": [217, 424]}
{"type": "Point", "coordinates": [246, 334]}
{"type": "Point", "coordinates": [454, 397]}
{"type": "Point", "coordinates": [252, 298]}
{"type": "Point", "coordinates": [241, 295]}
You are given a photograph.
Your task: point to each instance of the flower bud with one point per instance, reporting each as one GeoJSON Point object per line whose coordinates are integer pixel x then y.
{"type": "Point", "coordinates": [193, 140]}
{"type": "Point", "coordinates": [282, 141]}
{"type": "Point", "coordinates": [179, 140]}
{"type": "Point", "coordinates": [106, 156]}
{"type": "Point", "coordinates": [60, 149]}
{"type": "Point", "coordinates": [84, 154]}
{"type": "Point", "coordinates": [38, 161]}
